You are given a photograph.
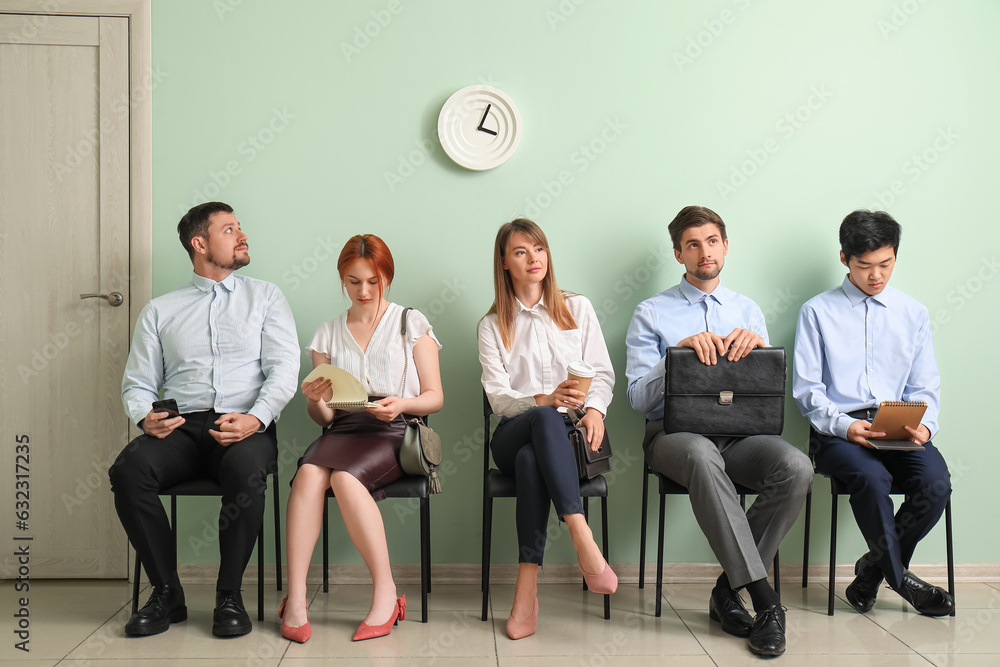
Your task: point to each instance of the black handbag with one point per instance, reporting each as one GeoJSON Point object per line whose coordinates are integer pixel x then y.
{"type": "Point", "coordinates": [589, 464]}
{"type": "Point", "coordinates": [741, 398]}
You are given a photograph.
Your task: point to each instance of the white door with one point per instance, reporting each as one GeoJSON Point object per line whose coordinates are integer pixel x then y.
{"type": "Point", "coordinates": [64, 231]}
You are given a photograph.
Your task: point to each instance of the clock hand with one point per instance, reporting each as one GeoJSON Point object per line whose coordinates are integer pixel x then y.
{"type": "Point", "coordinates": [483, 120]}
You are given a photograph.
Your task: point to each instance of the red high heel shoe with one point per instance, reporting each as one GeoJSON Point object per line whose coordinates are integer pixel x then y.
{"type": "Point", "coordinates": [300, 634]}
{"type": "Point", "coordinates": [366, 631]}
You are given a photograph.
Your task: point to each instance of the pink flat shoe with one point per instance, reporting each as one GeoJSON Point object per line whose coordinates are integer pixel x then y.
{"type": "Point", "coordinates": [604, 583]}
{"type": "Point", "coordinates": [525, 628]}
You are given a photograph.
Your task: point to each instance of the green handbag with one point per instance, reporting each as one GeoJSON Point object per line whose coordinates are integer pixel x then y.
{"type": "Point", "coordinates": [420, 453]}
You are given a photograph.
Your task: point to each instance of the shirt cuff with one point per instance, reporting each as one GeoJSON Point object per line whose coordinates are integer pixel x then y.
{"type": "Point", "coordinates": [263, 415]}
{"type": "Point", "coordinates": [840, 426]}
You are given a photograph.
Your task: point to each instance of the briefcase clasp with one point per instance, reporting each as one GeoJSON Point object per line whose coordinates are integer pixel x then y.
{"type": "Point", "coordinates": [725, 398]}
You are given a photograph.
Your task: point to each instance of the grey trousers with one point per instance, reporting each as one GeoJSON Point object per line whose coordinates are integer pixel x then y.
{"type": "Point", "coordinates": [745, 544]}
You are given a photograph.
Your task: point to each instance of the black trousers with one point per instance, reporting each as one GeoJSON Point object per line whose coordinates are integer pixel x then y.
{"type": "Point", "coordinates": [534, 449]}
{"type": "Point", "coordinates": [148, 465]}
{"type": "Point", "coordinates": [869, 474]}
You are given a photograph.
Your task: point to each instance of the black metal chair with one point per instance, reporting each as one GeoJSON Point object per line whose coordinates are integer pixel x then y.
{"type": "Point", "coordinates": [408, 486]}
{"type": "Point", "coordinates": [837, 489]}
{"type": "Point", "coordinates": [210, 487]}
{"type": "Point", "coordinates": [498, 485]}
{"type": "Point", "coordinates": [671, 488]}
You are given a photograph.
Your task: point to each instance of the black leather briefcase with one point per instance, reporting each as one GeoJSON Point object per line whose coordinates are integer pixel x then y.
{"type": "Point", "coordinates": [745, 397]}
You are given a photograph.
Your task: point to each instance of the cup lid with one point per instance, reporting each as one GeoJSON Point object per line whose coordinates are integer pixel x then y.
{"type": "Point", "coordinates": [581, 369]}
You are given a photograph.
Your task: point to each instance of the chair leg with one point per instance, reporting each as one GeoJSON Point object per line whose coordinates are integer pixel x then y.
{"type": "Point", "coordinates": [586, 517]}
{"type": "Point", "coordinates": [425, 556]}
{"type": "Point", "coordinates": [260, 571]}
{"type": "Point", "coordinates": [173, 522]}
{"type": "Point", "coordinates": [659, 557]}
{"type": "Point", "coordinates": [607, 553]}
{"type": "Point", "coordinates": [642, 528]}
{"type": "Point", "coordinates": [951, 551]}
{"type": "Point", "coordinates": [277, 527]}
{"type": "Point", "coordinates": [135, 585]}
{"type": "Point", "coordinates": [805, 540]}
{"type": "Point", "coordinates": [777, 577]}
{"type": "Point", "coordinates": [326, 545]}
{"type": "Point", "coordinates": [487, 535]}
{"type": "Point", "coordinates": [833, 554]}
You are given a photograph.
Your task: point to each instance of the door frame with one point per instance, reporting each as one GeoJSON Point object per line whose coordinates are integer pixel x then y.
{"type": "Point", "coordinates": [138, 12]}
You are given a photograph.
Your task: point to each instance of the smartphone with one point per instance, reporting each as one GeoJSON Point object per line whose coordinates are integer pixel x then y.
{"type": "Point", "coordinates": [169, 406]}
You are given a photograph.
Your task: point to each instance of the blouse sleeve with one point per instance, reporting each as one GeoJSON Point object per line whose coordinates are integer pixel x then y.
{"type": "Point", "coordinates": [496, 380]}
{"type": "Point", "coordinates": [417, 325]}
{"type": "Point", "coordinates": [595, 353]}
{"type": "Point", "coordinates": [322, 340]}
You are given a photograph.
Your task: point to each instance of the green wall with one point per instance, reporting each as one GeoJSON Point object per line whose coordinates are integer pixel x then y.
{"type": "Point", "coordinates": [783, 117]}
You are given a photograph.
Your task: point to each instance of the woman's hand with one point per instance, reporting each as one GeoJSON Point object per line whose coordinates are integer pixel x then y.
{"type": "Point", "coordinates": [593, 421]}
{"type": "Point", "coordinates": [564, 396]}
{"type": "Point", "coordinates": [319, 390]}
{"type": "Point", "coordinates": [389, 408]}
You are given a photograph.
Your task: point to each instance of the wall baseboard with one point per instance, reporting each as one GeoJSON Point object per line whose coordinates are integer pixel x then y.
{"type": "Point", "coordinates": [628, 573]}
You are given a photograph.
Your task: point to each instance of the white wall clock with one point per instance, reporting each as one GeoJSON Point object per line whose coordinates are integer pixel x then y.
{"type": "Point", "coordinates": [479, 127]}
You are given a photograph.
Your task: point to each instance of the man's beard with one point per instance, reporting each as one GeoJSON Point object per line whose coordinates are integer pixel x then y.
{"type": "Point", "coordinates": [710, 274]}
{"type": "Point", "coordinates": [237, 262]}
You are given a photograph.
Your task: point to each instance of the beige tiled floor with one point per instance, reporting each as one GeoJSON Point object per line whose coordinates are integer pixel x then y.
{"type": "Point", "coordinates": [80, 623]}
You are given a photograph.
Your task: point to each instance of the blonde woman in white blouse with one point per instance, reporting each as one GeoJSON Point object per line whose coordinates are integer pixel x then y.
{"type": "Point", "coordinates": [530, 335]}
{"type": "Point", "coordinates": [358, 451]}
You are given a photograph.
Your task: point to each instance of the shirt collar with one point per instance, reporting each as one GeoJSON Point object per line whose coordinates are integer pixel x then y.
{"type": "Point", "coordinates": [694, 295]}
{"type": "Point", "coordinates": [207, 284]}
{"type": "Point", "coordinates": [856, 296]}
{"type": "Point", "coordinates": [521, 308]}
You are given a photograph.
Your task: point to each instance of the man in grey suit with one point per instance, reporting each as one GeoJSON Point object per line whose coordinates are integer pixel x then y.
{"type": "Point", "coordinates": [702, 314]}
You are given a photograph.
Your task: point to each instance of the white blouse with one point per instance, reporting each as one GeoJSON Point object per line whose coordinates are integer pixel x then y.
{"type": "Point", "coordinates": [380, 368]}
{"type": "Point", "coordinates": [539, 355]}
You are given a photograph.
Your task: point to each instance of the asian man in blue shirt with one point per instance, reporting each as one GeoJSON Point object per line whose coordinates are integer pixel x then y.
{"type": "Point", "coordinates": [857, 345]}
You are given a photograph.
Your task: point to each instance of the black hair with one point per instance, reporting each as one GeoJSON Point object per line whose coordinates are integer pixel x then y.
{"type": "Point", "coordinates": [693, 216]}
{"type": "Point", "coordinates": [195, 222]}
{"type": "Point", "coordinates": [863, 231]}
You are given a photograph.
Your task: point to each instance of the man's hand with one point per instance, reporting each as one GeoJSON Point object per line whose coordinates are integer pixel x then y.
{"type": "Point", "coordinates": [564, 396]}
{"type": "Point", "coordinates": [742, 342]}
{"type": "Point", "coordinates": [157, 425]}
{"type": "Point", "coordinates": [389, 408]}
{"type": "Point", "coordinates": [707, 345]}
{"type": "Point", "coordinates": [919, 435]}
{"type": "Point", "coordinates": [593, 421]}
{"type": "Point", "coordinates": [860, 430]}
{"type": "Point", "coordinates": [235, 426]}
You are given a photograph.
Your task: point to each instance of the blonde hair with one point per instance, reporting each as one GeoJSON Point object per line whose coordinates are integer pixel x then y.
{"type": "Point", "coordinates": [503, 287]}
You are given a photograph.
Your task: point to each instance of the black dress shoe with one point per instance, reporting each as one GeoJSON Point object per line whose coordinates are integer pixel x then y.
{"type": "Point", "coordinates": [726, 607]}
{"type": "Point", "coordinates": [926, 598]}
{"type": "Point", "coordinates": [863, 590]}
{"type": "Point", "coordinates": [165, 606]}
{"type": "Point", "coordinates": [768, 634]}
{"type": "Point", "coordinates": [230, 618]}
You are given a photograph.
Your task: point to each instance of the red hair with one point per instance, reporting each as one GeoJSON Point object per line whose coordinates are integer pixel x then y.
{"type": "Point", "coordinates": [373, 249]}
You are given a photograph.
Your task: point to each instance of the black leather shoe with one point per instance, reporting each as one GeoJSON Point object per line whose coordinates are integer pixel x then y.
{"type": "Point", "coordinates": [230, 618]}
{"type": "Point", "coordinates": [863, 590]}
{"type": "Point", "coordinates": [926, 598]}
{"type": "Point", "coordinates": [165, 606]}
{"type": "Point", "coordinates": [768, 634]}
{"type": "Point", "coordinates": [726, 607]}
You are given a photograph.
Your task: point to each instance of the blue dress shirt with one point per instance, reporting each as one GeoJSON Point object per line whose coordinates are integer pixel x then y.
{"type": "Point", "coordinates": [229, 346]}
{"type": "Point", "coordinates": [668, 318]}
{"type": "Point", "coordinates": [853, 351]}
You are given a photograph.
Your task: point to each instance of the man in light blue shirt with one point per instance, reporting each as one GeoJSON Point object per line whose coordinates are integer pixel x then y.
{"type": "Point", "coordinates": [702, 314]}
{"type": "Point", "coordinates": [224, 348]}
{"type": "Point", "coordinates": [855, 346]}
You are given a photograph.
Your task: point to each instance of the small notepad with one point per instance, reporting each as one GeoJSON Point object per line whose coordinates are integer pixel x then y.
{"type": "Point", "coordinates": [348, 394]}
{"type": "Point", "coordinates": [890, 419]}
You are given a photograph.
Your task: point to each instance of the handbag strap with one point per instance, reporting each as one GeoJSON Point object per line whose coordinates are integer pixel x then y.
{"type": "Point", "coordinates": [406, 356]}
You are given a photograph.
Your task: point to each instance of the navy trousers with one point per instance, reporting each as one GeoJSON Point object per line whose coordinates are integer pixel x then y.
{"type": "Point", "coordinates": [534, 449]}
{"type": "Point", "coordinates": [869, 474]}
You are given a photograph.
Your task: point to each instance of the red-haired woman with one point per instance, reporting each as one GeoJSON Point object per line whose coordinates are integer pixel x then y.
{"type": "Point", "coordinates": [531, 334]}
{"type": "Point", "coordinates": [358, 451]}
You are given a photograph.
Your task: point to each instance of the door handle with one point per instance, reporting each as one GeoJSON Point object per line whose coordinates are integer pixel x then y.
{"type": "Point", "coordinates": [115, 298]}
